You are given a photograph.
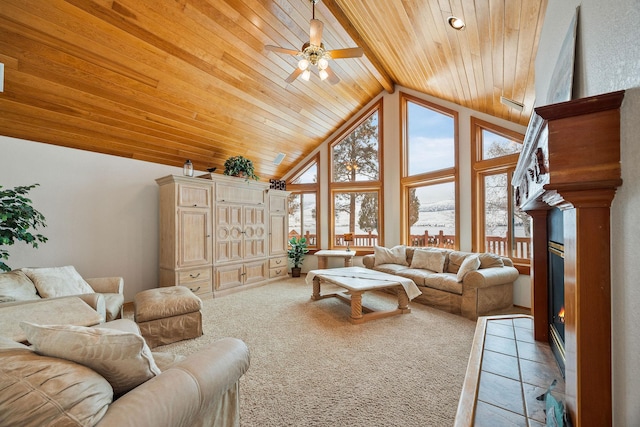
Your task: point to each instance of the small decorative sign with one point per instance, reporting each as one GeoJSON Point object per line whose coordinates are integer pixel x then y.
{"type": "Point", "coordinates": [278, 184]}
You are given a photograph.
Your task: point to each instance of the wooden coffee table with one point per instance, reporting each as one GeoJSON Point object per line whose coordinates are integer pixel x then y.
{"type": "Point", "coordinates": [358, 280]}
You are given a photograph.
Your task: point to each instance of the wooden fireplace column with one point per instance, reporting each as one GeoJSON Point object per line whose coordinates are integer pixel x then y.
{"type": "Point", "coordinates": [572, 161]}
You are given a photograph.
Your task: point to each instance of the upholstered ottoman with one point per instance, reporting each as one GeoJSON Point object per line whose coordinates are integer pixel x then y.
{"type": "Point", "coordinates": [167, 315]}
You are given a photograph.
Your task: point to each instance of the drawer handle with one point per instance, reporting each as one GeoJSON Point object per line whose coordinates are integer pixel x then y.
{"type": "Point", "coordinates": [195, 290]}
{"type": "Point", "coordinates": [194, 277]}
{"type": "Point", "coordinates": [278, 261]}
{"type": "Point", "coordinates": [278, 271]}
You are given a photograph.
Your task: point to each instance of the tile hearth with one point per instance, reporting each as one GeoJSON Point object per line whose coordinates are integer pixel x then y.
{"type": "Point", "coordinates": [515, 369]}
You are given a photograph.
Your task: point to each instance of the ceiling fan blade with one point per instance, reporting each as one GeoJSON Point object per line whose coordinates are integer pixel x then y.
{"type": "Point", "coordinates": [333, 78]}
{"type": "Point", "coordinates": [351, 52]}
{"type": "Point", "coordinates": [315, 33]}
{"type": "Point", "coordinates": [281, 50]}
{"type": "Point", "coordinates": [294, 75]}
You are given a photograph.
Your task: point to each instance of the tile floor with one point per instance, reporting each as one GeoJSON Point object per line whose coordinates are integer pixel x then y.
{"type": "Point", "coordinates": [515, 370]}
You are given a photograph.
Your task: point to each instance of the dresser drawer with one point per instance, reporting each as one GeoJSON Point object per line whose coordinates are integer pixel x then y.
{"type": "Point", "coordinates": [278, 262]}
{"type": "Point", "coordinates": [278, 272]}
{"type": "Point", "coordinates": [187, 277]}
{"type": "Point", "coordinates": [202, 289]}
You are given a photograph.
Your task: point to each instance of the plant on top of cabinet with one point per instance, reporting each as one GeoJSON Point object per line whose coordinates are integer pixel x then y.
{"type": "Point", "coordinates": [240, 166]}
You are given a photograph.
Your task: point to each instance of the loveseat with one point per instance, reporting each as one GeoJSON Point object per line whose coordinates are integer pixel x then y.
{"type": "Point", "coordinates": [117, 380]}
{"type": "Point", "coordinates": [471, 284]}
{"type": "Point", "coordinates": [53, 295]}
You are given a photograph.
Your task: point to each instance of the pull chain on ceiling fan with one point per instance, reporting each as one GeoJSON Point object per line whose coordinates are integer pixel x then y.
{"type": "Point", "coordinates": [313, 53]}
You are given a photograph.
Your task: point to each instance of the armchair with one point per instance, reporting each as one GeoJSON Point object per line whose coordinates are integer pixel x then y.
{"type": "Point", "coordinates": [42, 288]}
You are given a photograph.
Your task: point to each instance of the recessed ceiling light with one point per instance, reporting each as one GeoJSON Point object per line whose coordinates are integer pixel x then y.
{"type": "Point", "coordinates": [456, 23]}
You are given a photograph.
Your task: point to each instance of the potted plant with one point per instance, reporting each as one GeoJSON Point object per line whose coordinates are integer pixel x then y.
{"type": "Point", "coordinates": [17, 217]}
{"type": "Point", "coordinates": [296, 253]}
{"type": "Point", "coordinates": [240, 166]}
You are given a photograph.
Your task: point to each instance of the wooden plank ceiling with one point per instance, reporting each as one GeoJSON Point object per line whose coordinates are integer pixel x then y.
{"type": "Point", "coordinates": [167, 80]}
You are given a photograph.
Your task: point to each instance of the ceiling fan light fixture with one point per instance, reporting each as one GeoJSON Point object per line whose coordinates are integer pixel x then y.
{"type": "Point", "coordinates": [456, 23]}
{"type": "Point", "coordinates": [306, 75]}
{"type": "Point", "coordinates": [322, 64]}
{"type": "Point", "coordinates": [303, 64]}
{"type": "Point", "coordinates": [323, 74]}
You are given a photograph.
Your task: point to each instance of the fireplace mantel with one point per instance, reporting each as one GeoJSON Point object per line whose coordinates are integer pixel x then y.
{"type": "Point", "coordinates": [571, 160]}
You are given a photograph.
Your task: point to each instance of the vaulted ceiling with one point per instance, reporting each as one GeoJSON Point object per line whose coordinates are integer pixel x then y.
{"type": "Point", "coordinates": [167, 80]}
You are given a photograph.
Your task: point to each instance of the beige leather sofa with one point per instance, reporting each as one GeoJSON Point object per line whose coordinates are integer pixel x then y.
{"type": "Point", "coordinates": [199, 390]}
{"type": "Point", "coordinates": [484, 286]}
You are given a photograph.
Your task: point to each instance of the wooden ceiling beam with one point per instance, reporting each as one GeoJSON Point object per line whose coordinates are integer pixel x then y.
{"type": "Point", "coordinates": [376, 66]}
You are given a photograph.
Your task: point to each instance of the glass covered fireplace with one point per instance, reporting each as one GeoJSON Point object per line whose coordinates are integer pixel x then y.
{"type": "Point", "coordinates": [556, 285]}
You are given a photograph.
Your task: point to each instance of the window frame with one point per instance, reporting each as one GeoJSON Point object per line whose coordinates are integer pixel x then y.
{"type": "Point", "coordinates": [308, 188]}
{"type": "Point", "coordinates": [358, 186]}
{"type": "Point", "coordinates": [407, 181]}
{"type": "Point", "coordinates": [482, 168]}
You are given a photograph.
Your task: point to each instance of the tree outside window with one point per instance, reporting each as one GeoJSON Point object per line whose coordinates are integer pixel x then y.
{"type": "Point", "coordinates": [355, 158]}
{"type": "Point", "coordinates": [356, 212]}
{"type": "Point", "coordinates": [356, 182]}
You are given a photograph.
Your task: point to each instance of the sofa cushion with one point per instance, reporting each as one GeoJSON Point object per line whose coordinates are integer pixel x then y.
{"type": "Point", "coordinates": [447, 282]}
{"type": "Point", "coordinates": [123, 358]}
{"type": "Point", "coordinates": [16, 286]}
{"type": "Point", "coordinates": [38, 390]}
{"type": "Point", "coordinates": [395, 255]}
{"type": "Point", "coordinates": [430, 259]}
{"type": "Point", "coordinates": [470, 263]}
{"type": "Point", "coordinates": [488, 260]}
{"type": "Point", "coordinates": [58, 281]}
{"type": "Point", "coordinates": [420, 276]}
{"type": "Point", "coordinates": [456, 258]}
{"type": "Point", "coordinates": [391, 268]}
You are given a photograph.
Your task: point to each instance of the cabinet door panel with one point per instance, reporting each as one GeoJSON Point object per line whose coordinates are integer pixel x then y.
{"type": "Point", "coordinates": [277, 235]}
{"type": "Point", "coordinates": [255, 271]}
{"type": "Point", "coordinates": [229, 276]}
{"type": "Point", "coordinates": [255, 232]}
{"type": "Point", "coordinates": [194, 247]}
{"type": "Point", "coordinates": [194, 196]}
{"type": "Point", "coordinates": [229, 233]}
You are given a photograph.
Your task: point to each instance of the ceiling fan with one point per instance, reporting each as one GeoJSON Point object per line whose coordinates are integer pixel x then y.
{"type": "Point", "coordinates": [313, 53]}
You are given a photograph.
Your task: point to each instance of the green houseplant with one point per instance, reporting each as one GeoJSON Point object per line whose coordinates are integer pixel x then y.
{"type": "Point", "coordinates": [17, 218]}
{"type": "Point", "coordinates": [296, 253]}
{"type": "Point", "coordinates": [240, 166]}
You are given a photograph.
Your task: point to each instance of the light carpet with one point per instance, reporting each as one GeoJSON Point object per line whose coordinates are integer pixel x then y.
{"type": "Point", "coordinates": [311, 367]}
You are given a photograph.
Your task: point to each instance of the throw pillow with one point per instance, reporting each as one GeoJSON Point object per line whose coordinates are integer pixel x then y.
{"type": "Point", "coordinates": [38, 390]}
{"type": "Point", "coordinates": [58, 281]}
{"type": "Point", "coordinates": [122, 358]}
{"type": "Point", "coordinates": [470, 263]}
{"type": "Point", "coordinates": [395, 255]}
{"type": "Point", "coordinates": [488, 260]}
{"type": "Point", "coordinates": [429, 259]}
{"type": "Point", "coordinates": [455, 261]}
{"type": "Point", "coordinates": [16, 286]}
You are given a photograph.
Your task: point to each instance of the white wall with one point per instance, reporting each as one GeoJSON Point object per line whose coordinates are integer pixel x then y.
{"type": "Point", "coordinates": [391, 152]}
{"type": "Point", "coordinates": [101, 211]}
{"type": "Point", "coordinates": [608, 59]}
